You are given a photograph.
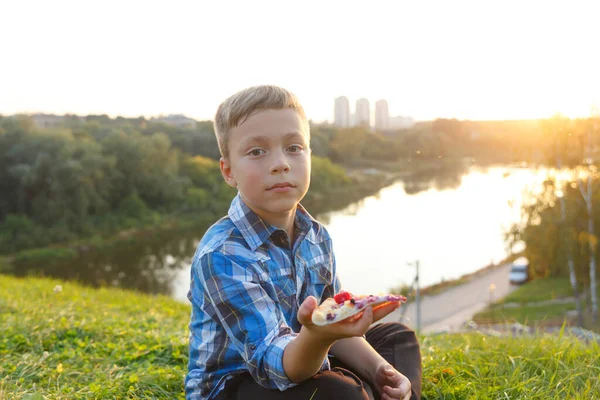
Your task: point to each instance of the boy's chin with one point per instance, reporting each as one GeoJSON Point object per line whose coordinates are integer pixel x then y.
{"type": "Point", "coordinates": [283, 206]}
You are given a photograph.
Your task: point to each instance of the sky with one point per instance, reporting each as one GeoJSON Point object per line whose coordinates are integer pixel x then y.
{"type": "Point", "coordinates": [478, 60]}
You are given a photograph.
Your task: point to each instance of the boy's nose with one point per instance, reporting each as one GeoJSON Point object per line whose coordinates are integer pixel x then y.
{"type": "Point", "coordinates": [280, 164]}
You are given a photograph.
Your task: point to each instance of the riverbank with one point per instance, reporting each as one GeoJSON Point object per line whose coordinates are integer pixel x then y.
{"type": "Point", "coordinates": [63, 340]}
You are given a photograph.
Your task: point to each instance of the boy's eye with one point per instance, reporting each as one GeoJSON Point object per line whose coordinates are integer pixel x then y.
{"type": "Point", "coordinates": [255, 152]}
{"type": "Point", "coordinates": [295, 148]}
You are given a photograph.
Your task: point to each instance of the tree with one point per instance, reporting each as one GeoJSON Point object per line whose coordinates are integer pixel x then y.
{"type": "Point", "coordinates": [551, 232]}
{"type": "Point", "coordinates": [587, 196]}
{"type": "Point", "coordinates": [560, 132]}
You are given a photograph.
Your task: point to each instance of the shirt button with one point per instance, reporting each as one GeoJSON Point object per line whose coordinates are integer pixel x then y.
{"type": "Point", "coordinates": [252, 347]}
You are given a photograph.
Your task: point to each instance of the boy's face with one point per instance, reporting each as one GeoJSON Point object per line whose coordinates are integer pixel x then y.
{"type": "Point", "coordinates": [269, 162]}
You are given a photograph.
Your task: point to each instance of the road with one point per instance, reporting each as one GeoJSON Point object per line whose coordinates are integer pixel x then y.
{"type": "Point", "coordinates": [448, 310]}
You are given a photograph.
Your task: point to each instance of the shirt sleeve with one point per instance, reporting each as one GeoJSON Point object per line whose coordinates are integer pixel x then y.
{"type": "Point", "coordinates": [253, 321]}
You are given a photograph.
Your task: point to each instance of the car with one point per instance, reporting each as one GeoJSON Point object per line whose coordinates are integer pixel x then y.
{"type": "Point", "coordinates": [519, 271]}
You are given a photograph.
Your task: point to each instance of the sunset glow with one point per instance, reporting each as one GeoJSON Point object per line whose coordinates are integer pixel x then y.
{"type": "Point", "coordinates": [462, 59]}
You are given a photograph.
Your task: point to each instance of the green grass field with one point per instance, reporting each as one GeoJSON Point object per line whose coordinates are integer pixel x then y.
{"type": "Point", "coordinates": [541, 315]}
{"type": "Point", "coordinates": [83, 343]}
{"type": "Point", "coordinates": [540, 290]}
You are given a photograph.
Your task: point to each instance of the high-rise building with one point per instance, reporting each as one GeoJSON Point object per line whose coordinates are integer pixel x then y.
{"type": "Point", "coordinates": [342, 112]}
{"type": "Point", "coordinates": [362, 116]}
{"type": "Point", "coordinates": [382, 116]}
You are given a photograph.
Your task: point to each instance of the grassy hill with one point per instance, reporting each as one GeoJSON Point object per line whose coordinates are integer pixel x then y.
{"type": "Point", "coordinates": [64, 341]}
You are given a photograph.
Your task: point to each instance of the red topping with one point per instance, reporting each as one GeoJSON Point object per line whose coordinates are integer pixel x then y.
{"type": "Point", "coordinates": [341, 297]}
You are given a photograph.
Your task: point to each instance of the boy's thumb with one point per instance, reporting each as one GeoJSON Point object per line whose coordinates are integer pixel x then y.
{"type": "Point", "coordinates": [306, 309]}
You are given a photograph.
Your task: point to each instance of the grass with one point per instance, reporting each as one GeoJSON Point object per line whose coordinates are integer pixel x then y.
{"type": "Point", "coordinates": [473, 366]}
{"type": "Point", "coordinates": [531, 305]}
{"type": "Point", "coordinates": [83, 343]}
{"type": "Point", "coordinates": [542, 314]}
{"type": "Point", "coordinates": [541, 290]}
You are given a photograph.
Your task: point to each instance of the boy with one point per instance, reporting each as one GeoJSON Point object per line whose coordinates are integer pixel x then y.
{"type": "Point", "coordinates": [259, 272]}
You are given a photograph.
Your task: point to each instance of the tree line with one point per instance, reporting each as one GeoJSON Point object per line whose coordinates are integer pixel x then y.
{"type": "Point", "coordinates": [103, 175]}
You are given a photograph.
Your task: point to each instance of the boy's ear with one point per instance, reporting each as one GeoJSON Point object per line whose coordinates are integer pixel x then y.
{"type": "Point", "coordinates": [225, 166]}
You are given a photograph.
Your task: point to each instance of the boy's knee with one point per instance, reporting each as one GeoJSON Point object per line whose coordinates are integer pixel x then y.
{"type": "Point", "coordinates": [399, 327]}
{"type": "Point", "coordinates": [404, 330]}
{"type": "Point", "coordinates": [337, 385]}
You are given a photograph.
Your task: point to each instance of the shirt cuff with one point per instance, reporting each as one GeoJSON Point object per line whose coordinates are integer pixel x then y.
{"type": "Point", "coordinates": [274, 368]}
{"type": "Point", "coordinates": [274, 362]}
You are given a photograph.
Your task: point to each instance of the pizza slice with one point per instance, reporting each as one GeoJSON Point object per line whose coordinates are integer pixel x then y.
{"type": "Point", "coordinates": [344, 305]}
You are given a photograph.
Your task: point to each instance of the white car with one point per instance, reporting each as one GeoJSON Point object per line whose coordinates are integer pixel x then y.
{"type": "Point", "coordinates": [519, 271]}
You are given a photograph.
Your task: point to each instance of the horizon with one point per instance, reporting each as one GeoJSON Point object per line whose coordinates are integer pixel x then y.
{"type": "Point", "coordinates": [469, 61]}
{"type": "Point", "coordinates": [149, 118]}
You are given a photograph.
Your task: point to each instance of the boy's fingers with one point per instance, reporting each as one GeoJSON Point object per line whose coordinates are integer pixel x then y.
{"type": "Point", "coordinates": [306, 309]}
{"type": "Point", "coordinates": [396, 393]}
{"type": "Point", "coordinates": [363, 323]}
{"type": "Point", "coordinates": [402, 391]}
{"type": "Point", "coordinates": [355, 317]}
{"type": "Point", "coordinates": [382, 311]}
{"type": "Point", "coordinates": [378, 312]}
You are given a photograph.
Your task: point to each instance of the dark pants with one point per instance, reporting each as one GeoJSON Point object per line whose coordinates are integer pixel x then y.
{"type": "Point", "coordinates": [395, 342]}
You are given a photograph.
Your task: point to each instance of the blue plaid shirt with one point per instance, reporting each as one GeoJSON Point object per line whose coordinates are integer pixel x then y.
{"type": "Point", "coordinates": [247, 283]}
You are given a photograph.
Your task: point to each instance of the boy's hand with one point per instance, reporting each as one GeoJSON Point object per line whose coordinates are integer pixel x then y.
{"type": "Point", "coordinates": [354, 326]}
{"type": "Point", "coordinates": [391, 384]}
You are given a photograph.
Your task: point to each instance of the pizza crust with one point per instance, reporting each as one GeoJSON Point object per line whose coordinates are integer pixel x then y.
{"type": "Point", "coordinates": [330, 311]}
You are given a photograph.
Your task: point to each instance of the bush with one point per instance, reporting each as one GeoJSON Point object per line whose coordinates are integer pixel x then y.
{"type": "Point", "coordinates": [17, 231]}
{"type": "Point", "coordinates": [325, 175]}
{"type": "Point", "coordinates": [5, 265]}
{"type": "Point", "coordinates": [133, 207]}
{"type": "Point", "coordinates": [197, 199]}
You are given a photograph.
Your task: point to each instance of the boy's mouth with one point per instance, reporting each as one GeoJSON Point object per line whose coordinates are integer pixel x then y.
{"type": "Point", "coordinates": [281, 186]}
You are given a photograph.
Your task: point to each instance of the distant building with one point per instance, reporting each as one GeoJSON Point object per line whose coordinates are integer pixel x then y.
{"type": "Point", "coordinates": [401, 122]}
{"type": "Point", "coordinates": [342, 112]}
{"type": "Point", "coordinates": [176, 120]}
{"type": "Point", "coordinates": [382, 117]}
{"type": "Point", "coordinates": [362, 114]}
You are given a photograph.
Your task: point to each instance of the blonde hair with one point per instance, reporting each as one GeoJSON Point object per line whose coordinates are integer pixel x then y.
{"type": "Point", "coordinates": [245, 103]}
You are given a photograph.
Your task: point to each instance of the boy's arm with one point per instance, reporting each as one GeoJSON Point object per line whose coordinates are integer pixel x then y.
{"type": "Point", "coordinates": [301, 358]}
{"type": "Point", "coordinates": [359, 355]}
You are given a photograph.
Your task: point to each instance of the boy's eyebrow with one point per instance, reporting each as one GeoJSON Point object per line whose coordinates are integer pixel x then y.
{"type": "Point", "coordinates": [287, 136]}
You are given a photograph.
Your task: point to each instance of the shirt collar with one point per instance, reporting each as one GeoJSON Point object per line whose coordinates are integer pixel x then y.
{"type": "Point", "coordinates": [256, 231]}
